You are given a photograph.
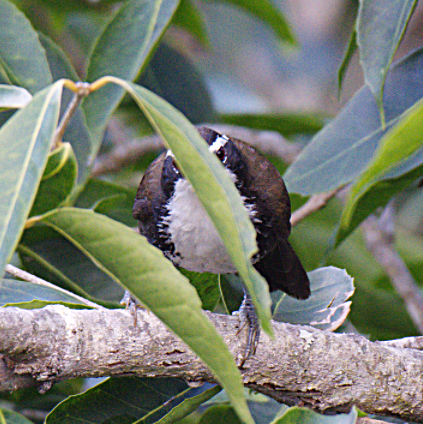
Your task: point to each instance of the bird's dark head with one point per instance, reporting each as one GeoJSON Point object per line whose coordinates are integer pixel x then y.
{"type": "Point", "coordinates": [222, 146]}
{"type": "Point", "coordinates": [226, 150]}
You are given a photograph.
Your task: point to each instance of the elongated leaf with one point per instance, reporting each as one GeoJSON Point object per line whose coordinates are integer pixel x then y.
{"type": "Point", "coordinates": [344, 147]}
{"type": "Point", "coordinates": [21, 55]}
{"type": "Point", "coordinates": [380, 28]}
{"type": "Point", "coordinates": [23, 294]}
{"type": "Point", "coordinates": [190, 18]}
{"type": "Point", "coordinates": [401, 142]}
{"type": "Point", "coordinates": [219, 414]}
{"type": "Point", "coordinates": [25, 143]}
{"type": "Point", "coordinates": [349, 52]}
{"type": "Point", "coordinates": [379, 193]}
{"type": "Point", "coordinates": [12, 97]}
{"type": "Point", "coordinates": [132, 399]}
{"type": "Point", "coordinates": [263, 408]}
{"type": "Point", "coordinates": [77, 131]}
{"type": "Point", "coordinates": [189, 405]}
{"type": "Point", "coordinates": [58, 180]}
{"type": "Point", "coordinates": [12, 417]}
{"type": "Point", "coordinates": [122, 50]}
{"type": "Point", "coordinates": [297, 415]}
{"type": "Point", "coordinates": [135, 264]}
{"type": "Point", "coordinates": [109, 199]}
{"type": "Point", "coordinates": [287, 124]}
{"type": "Point", "coordinates": [59, 63]}
{"type": "Point", "coordinates": [214, 188]}
{"type": "Point", "coordinates": [48, 255]}
{"type": "Point", "coordinates": [207, 286]}
{"type": "Point", "coordinates": [173, 77]}
{"type": "Point", "coordinates": [269, 14]}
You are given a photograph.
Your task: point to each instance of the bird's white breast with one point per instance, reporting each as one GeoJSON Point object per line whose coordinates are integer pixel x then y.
{"type": "Point", "coordinates": [198, 246]}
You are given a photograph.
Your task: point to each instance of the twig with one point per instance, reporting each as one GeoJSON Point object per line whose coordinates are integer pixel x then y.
{"type": "Point", "coordinates": [82, 91]}
{"type": "Point", "coordinates": [379, 236]}
{"type": "Point", "coordinates": [125, 154]}
{"type": "Point", "coordinates": [26, 276]}
{"type": "Point", "coordinates": [315, 203]}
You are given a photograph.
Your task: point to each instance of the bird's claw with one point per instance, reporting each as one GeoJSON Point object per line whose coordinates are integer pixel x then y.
{"type": "Point", "coordinates": [131, 304]}
{"type": "Point", "coordinates": [248, 316]}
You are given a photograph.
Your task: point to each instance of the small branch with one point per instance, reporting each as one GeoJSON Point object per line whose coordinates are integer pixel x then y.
{"type": "Point", "coordinates": [26, 276]}
{"type": "Point", "coordinates": [379, 236]}
{"type": "Point", "coordinates": [125, 154]}
{"type": "Point", "coordinates": [82, 90]}
{"type": "Point", "coordinates": [315, 203]}
{"type": "Point", "coordinates": [324, 371]}
{"type": "Point", "coordinates": [268, 142]}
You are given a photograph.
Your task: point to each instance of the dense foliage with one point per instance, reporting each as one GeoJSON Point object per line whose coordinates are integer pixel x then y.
{"type": "Point", "coordinates": [61, 223]}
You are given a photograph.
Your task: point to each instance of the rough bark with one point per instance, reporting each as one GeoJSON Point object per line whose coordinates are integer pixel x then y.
{"type": "Point", "coordinates": [324, 371]}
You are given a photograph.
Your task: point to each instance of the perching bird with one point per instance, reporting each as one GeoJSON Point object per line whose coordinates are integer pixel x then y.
{"type": "Point", "coordinates": [172, 218]}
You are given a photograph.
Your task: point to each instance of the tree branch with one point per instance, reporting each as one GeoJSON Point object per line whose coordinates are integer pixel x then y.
{"type": "Point", "coordinates": [324, 371]}
{"type": "Point", "coordinates": [313, 204]}
{"type": "Point", "coordinates": [380, 235]}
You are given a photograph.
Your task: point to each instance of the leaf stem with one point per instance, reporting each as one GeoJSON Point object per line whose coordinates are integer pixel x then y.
{"type": "Point", "coordinates": [26, 276]}
{"type": "Point", "coordinates": [81, 90]}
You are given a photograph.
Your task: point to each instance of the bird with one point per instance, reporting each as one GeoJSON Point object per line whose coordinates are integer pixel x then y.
{"type": "Point", "coordinates": [172, 218]}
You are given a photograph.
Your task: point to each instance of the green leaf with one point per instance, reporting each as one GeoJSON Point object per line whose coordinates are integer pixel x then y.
{"type": "Point", "coordinates": [133, 399]}
{"type": "Point", "coordinates": [25, 143]}
{"type": "Point", "coordinates": [190, 18]}
{"type": "Point", "coordinates": [131, 261]}
{"type": "Point", "coordinates": [58, 180]}
{"type": "Point", "coordinates": [12, 97]}
{"type": "Point", "coordinates": [269, 14]}
{"type": "Point", "coordinates": [22, 58]}
{"type": "Point", "coordinates": [286, 124]}
{"type": "Point", "coordinates": [344, 147]}
{"type": "Point", "coordinates": [24, 294]}
{"type": "Point", "coordinates": [349, 52]}
{"type": "Point", "coordinates": [173, 77]}
{"type": "Point", "coordinates": [297, 415]}
{"type": "Point", "coordinates": [379, 193]}
{"type": "Point", "coordinates": [12, 417]}
{"type": "Point", "coordinates": [122, 50]}
{"type": "Point", "coordinates": [47, 254]}
{"type": "Point", "coordinates": [191, 404]}
{"type": "Point", "coordinates": [76, 132]}
{"type": "Point", "coordinates": [401, 142]}
{"type": "Point", "coordinates": [59, 64]}
{"type": "Point", "coordinates": [263, 408]}
{"type": "Point", "coordinates": [380, 28]}
{"type": "Point", "coordinates": [327, 307]}
{"type": "Point", "coordinates": [219, 414]}
{"type": "Point", "coordinates": [213, 187]}
{"type": "Point", "coordinates": [109, 199]}
{"type": "Point", "coordinates": [207, 286]}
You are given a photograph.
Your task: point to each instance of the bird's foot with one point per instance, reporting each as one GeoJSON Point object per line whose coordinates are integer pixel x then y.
{"type": "Point", "coordinates": [131, 304]}
{"type": "Point", "coordinates": [247, 316]}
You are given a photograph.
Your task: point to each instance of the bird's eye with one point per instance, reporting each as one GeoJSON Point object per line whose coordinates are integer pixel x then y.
{"type": "Point", "coordinates": [221, 154]}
